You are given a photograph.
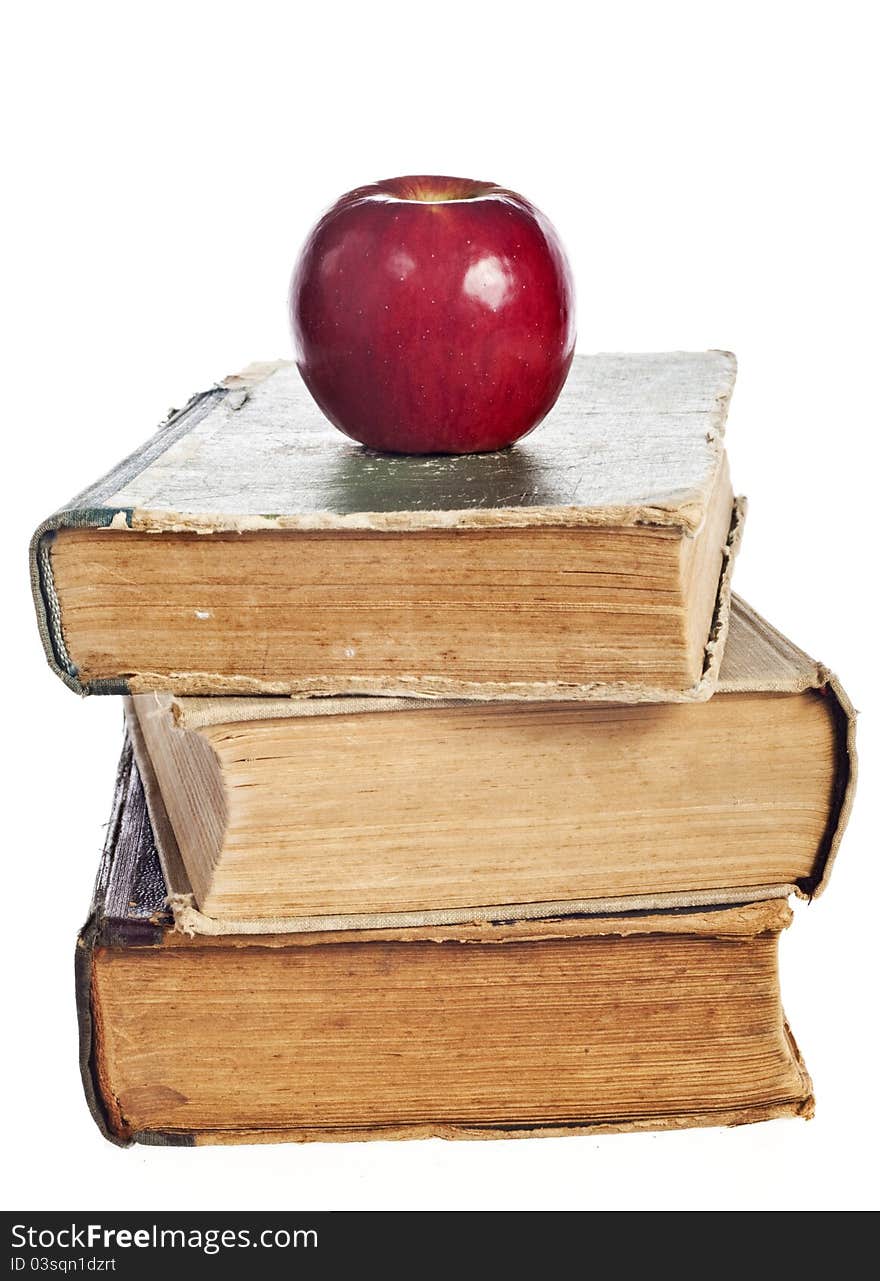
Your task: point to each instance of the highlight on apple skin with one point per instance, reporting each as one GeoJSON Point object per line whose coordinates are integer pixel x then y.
{"type": "Point", "coordinates": [433, 315]}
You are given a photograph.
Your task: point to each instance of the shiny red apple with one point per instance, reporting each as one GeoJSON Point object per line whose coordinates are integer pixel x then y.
{"type": "Point", "coordinates": [433, 315]}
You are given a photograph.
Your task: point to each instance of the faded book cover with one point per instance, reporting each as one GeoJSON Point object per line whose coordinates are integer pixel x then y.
{"type": "Point", "coordinates": [249, 548]}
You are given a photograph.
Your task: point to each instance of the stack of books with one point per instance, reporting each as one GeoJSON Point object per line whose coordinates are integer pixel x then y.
{"type": "Point", "coordinates": [459, 796]}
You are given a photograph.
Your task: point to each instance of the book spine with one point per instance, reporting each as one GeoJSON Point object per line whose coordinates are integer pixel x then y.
{"type": "Point", "coordinates": [844, 788]}
{"type": "Point", "coordinates": [85, 1023]}
{"type": "Point", "coordinates": [106, 926]}
{"type": "Point", "coordinates": [88, 1022]}
{"type": "Point", "coordinates": [89, 510]}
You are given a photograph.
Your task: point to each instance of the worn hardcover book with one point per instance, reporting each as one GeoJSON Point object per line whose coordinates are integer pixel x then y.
{"type": "Point", "coordinates": [577, 1024]}
{"type": "Point", "coordinates": [286, 814]}
{"type": "Point", "coordinates": [249, 548]}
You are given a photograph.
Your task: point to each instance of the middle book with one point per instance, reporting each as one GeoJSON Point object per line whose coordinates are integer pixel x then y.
{"type": "Point", "coordinates": [288, 810]}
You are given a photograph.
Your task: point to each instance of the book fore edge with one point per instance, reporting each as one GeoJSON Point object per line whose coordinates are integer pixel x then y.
{"type": "Point", "coordinates": [189, 920]}
{"type": "Point", "coordinates": [51, 630]}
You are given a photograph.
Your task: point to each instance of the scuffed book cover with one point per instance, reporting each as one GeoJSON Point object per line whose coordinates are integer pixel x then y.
{"type": "Point", "coordinates": [634, 441]}
{"type": "Point", "coordinates": [129, 917]}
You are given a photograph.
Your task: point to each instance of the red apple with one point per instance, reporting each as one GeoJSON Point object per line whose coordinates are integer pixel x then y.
{"type": "Point", "coordinates": [433, 315]}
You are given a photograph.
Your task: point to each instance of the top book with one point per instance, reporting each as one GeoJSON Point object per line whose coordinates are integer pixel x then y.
{"type": "Point", "coordinates": [250, 548]}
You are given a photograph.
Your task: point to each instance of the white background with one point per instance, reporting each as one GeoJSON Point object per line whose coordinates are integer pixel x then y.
{"type": "Point", "coordinates": [712, 169]}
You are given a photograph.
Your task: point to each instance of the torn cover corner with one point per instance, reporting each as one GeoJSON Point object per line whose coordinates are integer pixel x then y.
{"type": "Point", "coordinates": [186, 914]}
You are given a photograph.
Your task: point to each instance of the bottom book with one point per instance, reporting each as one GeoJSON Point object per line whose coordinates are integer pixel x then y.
{"type": "Point", "coordinates": [580, 1024]}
